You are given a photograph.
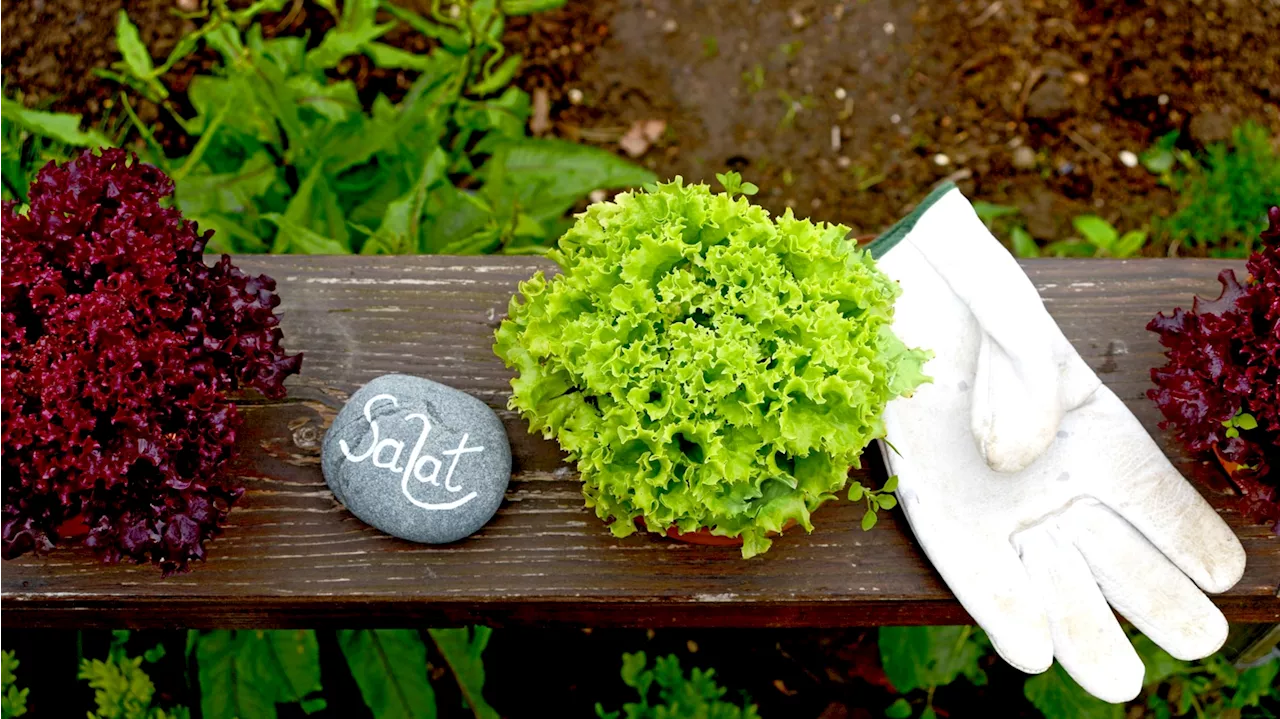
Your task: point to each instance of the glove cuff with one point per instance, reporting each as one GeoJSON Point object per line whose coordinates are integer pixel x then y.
{"type": "Point", "coordinates": [892, 236]}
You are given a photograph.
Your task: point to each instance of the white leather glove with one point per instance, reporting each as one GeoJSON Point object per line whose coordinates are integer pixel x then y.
{"type": "Point", "coordinates": [1085, 510]}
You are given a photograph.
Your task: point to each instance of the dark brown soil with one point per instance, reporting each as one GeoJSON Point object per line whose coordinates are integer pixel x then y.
{"type": "Point", "coordinates": [923, 92]}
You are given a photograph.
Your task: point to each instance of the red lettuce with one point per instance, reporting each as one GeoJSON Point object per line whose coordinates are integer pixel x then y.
{"type": "Point", "coordinates": [1221, 386]}
{"type": "Point", "coordinates": [120, 347]}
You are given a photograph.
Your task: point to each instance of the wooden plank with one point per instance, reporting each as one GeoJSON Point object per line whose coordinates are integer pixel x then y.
{"type": "Point", "coordinates": [292, 556]}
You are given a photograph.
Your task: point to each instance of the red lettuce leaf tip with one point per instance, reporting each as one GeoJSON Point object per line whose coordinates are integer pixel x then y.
{"type": "Point", "coordinates": [1223, 363]}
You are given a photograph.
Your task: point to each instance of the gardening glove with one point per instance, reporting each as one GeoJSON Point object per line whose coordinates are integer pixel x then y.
{"type": "Point", "coordinates": [1090, 513]}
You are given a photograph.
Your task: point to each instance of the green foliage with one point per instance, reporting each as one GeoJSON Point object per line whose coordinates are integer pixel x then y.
{"type": "Point", "coordinates": [706, 365]}
{"type": "Point", "coordinates": [1098, 238]}
{"type": "Point", "coordinates": [1057, 696]}
{"type": "Point", "coordinates": [390, 667]}
{"type": "Point", "coordinates": [461, 649]}
{"type": "Point", "coordinates": [679, 696]}
{"type": "Point", "coordinates": [136, 69]}
{"type": "Point", "coordinates": [246, 673]}
{"type": "Point", "coordinates": [925, 658]}
{"type": "Point", "coordinates": [876, 499]}
{"type": "Point", "coordinates": [1005, 218]}
{"type": "Point", "coordinates": [13, 701]}
{"type": "Point", "coordinates": [1163, 155]}
{"type": "Point", "coordinates": [1223, 195]}
{"type": "Point", "coordinates": [290, 161]}
{"type": "Point", "coordinates": [733, 184]}
{"type": "Point", "coordinates": [121, 688]}
{"type": "Point", "coordinates": [1242, 421]}
{"type": "Point", "coordinates": [30, 139]}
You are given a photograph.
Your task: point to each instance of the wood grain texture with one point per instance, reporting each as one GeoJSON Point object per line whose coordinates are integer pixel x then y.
{"type": "Point", "coordinates": [293, 557]}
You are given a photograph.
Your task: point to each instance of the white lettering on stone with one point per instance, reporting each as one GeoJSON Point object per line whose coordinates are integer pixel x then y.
{"type": "Point", "coordinates": [417, 460]}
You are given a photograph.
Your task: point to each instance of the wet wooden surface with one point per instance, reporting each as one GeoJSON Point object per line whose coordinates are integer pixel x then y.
{"type": "Point", "coordinates": [293, 556]}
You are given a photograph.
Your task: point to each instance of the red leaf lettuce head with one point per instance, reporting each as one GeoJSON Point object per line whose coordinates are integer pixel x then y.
{"type": "Point", "coordinates": [120, 346]}
{"type": "Point", "coordinates": [1221, 386]}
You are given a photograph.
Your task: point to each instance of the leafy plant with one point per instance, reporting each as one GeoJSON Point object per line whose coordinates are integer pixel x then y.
{"type": "Point", "coordinates": [1223, 194]}
{"type": "Point", "coordinates": [925, 658]}
{"type": "Point", "coordinates": [30, 139]}
{"type": "Point", "coordinates": [876, 499]}
{"type": "Point", "coordinates": [13, 701]}
{"type": "Point", "coordinates": [1057, 696]}
{"type": "Point", "coordinates": [706, 365]}
{"type": "Point", "coordinates": [1207, 689]}
{"type": "Point", "coordinates": [289, 161]}
{"type": "Point", "coordinates": [695, 695]}
{"type": "Point", "coordinates": [247, 673]}
{"type": "Point", "coordinates": [121, 349]}
{"type": "Point", "coordinates": [390, 667]}
{"type": "Point", "coordinates": [1219, 388]}
{"type": "Point", "coordinates": [1163, 156]}
{"type": "Point", "coordinates": [1098, 238]}
{"type": "Point", "coordinates": [122, 688]}
{"type": "Point", "coordinates": [462, 649]}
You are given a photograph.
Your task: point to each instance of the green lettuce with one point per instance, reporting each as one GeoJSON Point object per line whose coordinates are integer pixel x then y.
{"type": "Point", "coordinates": [706, 365]}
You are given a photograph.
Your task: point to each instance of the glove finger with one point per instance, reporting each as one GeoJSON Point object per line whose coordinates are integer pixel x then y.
{"type": "Point", "coordinates": [1014, 416]}
{"type": "Point", "coordinates": [1161, 601]}
{"type": "Point", "coordinates": [988, 580]}
{"type": "Point", "coordinates": [1143, 487]}
{"type": "Point", "coordinates": [1087, 639]}
{"type": "Point", "coordinates": [1028, 375]}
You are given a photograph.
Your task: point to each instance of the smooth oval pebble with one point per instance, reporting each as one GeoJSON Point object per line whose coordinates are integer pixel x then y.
{"type": "Point", "coordinates": [417, 460]}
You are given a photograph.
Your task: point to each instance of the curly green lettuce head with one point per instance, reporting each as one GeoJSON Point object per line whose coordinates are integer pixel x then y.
{"type": "Point", "coordinates": [705, 364]}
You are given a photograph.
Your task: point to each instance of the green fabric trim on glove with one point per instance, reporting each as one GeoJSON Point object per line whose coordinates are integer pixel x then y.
{"type": "Point", "coordinates": [892, 236]}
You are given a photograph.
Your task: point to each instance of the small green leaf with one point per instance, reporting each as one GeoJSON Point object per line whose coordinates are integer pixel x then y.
{"type": "Point", "coordinates": [989, 212]}
{"type": "Point", "coordinates": [338, 44]}
{"type": "Point", "coordinates": [856, 491]}
{"type": "Point", "coordinates": [1130, 243]}
{"type": "Point", "coordinates": [391, 57]}
{"type": "Point", "coordinates": [154, 654]}
{"type": "Point", "coordinates": [1057, 696]}
{"type": "Point", "coordinates": [869, 520]}
{"type": "Point", "coordinates": [1024, 245]}
{"type": "Point", "coordinates": [499, 78]}
{"type": "Point", "coordinates": [529, 7]}
{"type": "Point", "coordinates": [62, 127]}
{"type": "Point", "coordinates": [462, 649]}
{"type": "Point", "coordinates": [899, 709]}
{"type": "Point", "coordinates": [888, 501]}
{"type": "Point", "coordinates": [928, 713]}
{"type": "Point", "coordinates": [1160, 157]}
{"type": "Point", "coordinates": [135, 54]}
{"type": "Point", "coordinates": [890, 484]}
{"type": "Point", "coordinates": [1097, 231]}
{"type": "Point", "coordinates": [1246, 421]}
{"type": "Point", "coordinates": [294, 238]}
{"type": "Point", "coordinates": [1232, 432]}
{"type": "Point", "coordinates": [390, 667]}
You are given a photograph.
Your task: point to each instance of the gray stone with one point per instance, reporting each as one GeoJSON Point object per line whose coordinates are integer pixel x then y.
{"type": "Point", "coordinates": [1024, 158]}
{"type": "Point", "coordinates": [417, 460]}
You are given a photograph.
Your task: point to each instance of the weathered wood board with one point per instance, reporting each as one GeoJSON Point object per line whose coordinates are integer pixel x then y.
{"type": "Point", "coordinates": [292, 556]}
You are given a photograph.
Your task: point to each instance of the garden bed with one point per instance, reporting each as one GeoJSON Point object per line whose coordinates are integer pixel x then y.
{"type": "Point", "coordinates": [847, 111]}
